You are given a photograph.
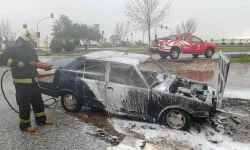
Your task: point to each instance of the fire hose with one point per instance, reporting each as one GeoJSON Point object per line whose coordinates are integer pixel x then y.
{"type": "Point", "coordinates": [39, 65]}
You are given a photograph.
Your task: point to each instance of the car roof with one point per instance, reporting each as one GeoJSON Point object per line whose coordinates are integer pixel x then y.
{"type": "Point", "coordinates": [118, 57]}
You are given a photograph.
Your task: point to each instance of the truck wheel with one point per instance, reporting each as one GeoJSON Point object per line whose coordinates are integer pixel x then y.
{"type": "Point", "coordinates": [177, 119]}
{"type": "Point", "coordinates": [195, 55]}
{"type": "Point", "coordinates": [209, 53]}
{"type": "Point", "coordinates": [163, 55]}
{"type": "Point", "coordinates": [174, 53]}
{"type": "Point", "coordinates": [69, 102]}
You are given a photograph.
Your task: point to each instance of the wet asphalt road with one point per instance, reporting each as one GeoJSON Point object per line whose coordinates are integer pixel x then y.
{"type": "Point", "coordinates": [67, 132]}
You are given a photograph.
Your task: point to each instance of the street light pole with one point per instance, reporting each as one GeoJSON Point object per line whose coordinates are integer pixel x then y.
{"type": "Point", "coordinates": [51, 16]}
{"type": "Point", "coordinates": [143, 36]}
{"type": "Point", "coordinates": [155, 32]}
{"type": "Point", "coordinates": [170, 29]}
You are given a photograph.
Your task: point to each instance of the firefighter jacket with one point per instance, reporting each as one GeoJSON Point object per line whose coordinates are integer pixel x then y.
{"type": "Point", "coordinates": [15, 54]}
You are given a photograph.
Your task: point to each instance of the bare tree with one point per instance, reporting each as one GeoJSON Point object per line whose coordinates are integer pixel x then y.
{"type": "Point", "coordinates": [118, 31]}
{"type": "Point", "coordinates": [6, 30]}
{"type": "Point", "coordinates": [178, 30]}
{"type": "Point", "coordinates": [121, 31]}
{"type": "Point", "coordinates": [189, 26]}
{"type": "Point", "coordinates": [146, 13]}
{"type": "Point", "coordinates": [126, 30]}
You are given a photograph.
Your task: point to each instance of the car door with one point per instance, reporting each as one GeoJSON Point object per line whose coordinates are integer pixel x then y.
{"type": "Point", "coordinates": [224, 65]}
{"type": "Point", "coordinates": [126, 90]}
{"type": "Point", "coordinates": [197, 45]}
{"type": "Point", "coordinates": [91, 85]}
{"type": "Point", "coordinates": [185, 46]}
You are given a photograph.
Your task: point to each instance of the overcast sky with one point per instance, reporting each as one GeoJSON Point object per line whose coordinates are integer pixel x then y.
{"type": "Point", "coordinates": [216, 18]}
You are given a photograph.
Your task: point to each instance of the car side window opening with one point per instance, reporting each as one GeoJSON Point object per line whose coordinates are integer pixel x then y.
{"type": "Point", "coordinates": [185, 38]}
{"type": "Point", "coordinates": [173, 37]}
{"type": "Point", "coordinates": [94, 70]}
{"type": "Point", "coordinates": [195, 39]}
{"type": "Point", "coordinates": [126, 75]}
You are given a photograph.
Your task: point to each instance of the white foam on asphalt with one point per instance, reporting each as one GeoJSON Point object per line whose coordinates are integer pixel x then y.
{"type": "Point", "coordinates": [237, 93]}
{"type": "Point", "coordinates": [192, 139]}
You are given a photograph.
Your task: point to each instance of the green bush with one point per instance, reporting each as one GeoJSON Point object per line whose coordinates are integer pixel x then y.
{"type": "Point", "coordinates": [56, 45]}
{"type": "Point", "coordinates": [69, 46]}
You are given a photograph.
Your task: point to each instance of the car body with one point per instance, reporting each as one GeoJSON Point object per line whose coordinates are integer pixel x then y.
{"type": "Point", "coordinates": [185, 44]}
{"type": "Point", "coordinates": [123, 83]}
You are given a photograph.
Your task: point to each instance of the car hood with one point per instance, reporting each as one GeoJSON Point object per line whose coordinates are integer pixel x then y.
{"type": "Point", "coordinates": [210, 43]}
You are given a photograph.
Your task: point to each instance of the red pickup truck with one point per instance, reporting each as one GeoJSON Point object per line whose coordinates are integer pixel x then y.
{"type": "Point", "coordinates": [186, 43]}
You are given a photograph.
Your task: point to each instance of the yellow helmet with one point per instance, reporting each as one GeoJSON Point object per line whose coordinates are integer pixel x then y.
{"type": "Point", "coordinates": [28, 35]}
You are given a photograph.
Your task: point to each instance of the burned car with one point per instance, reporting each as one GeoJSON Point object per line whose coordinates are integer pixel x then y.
{"type": "Point", "coordinates": [133, 85]}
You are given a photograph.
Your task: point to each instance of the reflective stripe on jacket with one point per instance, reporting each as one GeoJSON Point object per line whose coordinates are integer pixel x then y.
{"type": "Point", "coordinates": [25, 81]}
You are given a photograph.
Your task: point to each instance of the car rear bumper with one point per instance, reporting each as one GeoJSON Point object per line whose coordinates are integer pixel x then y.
{"type": "Point", "coordinates": [49, 92]}
{"type": "Point", "coordinates": [49, 88]}
{"type": "Point", "coordinates": [164, 50]}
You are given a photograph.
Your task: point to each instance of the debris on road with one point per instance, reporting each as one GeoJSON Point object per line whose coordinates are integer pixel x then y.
{"type": "Point", "coordinates": [131, 143]}
{"type": "Point", "coordinates": [236, 119]}
{"type": "Point", "coordinates": [205, 139]}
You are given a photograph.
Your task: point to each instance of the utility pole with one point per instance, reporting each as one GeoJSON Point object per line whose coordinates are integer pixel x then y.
{"type": "Point", "coordinates": [38, 33]}
{"type": "Point", "coordinates": [103, 36]}
{"type": "Point", "coordinates": [132, 38]}
{"type": "Point", "coordinates": [155, 32]}
{"type": "Point", "coordinates": [143, 32]}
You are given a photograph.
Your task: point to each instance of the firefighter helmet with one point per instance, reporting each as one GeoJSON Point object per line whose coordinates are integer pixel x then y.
{"type": "Point", "coordinates": [28, 35]}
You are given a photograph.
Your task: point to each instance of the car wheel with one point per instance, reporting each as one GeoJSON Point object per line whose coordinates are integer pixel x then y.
{"type": "Point", "coordinates": [69, 102]}
{"type": "Point", "coordinates": [163, 55]}
{"type": "Point", "coordinates": [195, 55]}
{"type": "Point", "coordinates": [209, 53]}
{"type": "Point", "coordinates": [174, 53]}
{"type": "Point", "coordinates": [177, 119]}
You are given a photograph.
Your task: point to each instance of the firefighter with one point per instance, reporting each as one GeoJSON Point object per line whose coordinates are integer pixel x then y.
{"type": "Point", "coordinates": [22, 58]}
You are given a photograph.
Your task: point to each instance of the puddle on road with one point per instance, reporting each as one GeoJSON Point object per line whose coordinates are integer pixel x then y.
{"type": "Point", "coordinates": [203, 76]}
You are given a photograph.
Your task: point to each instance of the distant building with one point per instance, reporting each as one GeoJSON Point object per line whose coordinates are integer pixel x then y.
{"type": "Point", "coordinates": [44, 42]}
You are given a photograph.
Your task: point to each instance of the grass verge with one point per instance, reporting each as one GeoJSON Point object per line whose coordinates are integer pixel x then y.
{"type": "Point", "coordinates": [240, 60]}
{"type": "Point", "coordinates": [234, 49]}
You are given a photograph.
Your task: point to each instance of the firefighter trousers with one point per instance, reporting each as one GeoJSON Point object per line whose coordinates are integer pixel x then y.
{"type": "Point", "coordinates": [28, 95]}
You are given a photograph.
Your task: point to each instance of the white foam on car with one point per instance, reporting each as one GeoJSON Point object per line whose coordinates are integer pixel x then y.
{"type": "Point", "coordinates": [119, 57]}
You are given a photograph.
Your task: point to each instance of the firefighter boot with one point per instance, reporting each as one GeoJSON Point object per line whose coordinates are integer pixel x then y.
{"type": "Point", "coordinates": [29, 129]}
{"type": "Point", "coordinates": [49, 122]}
{"type": "Point", "coordinates": [43, 121]}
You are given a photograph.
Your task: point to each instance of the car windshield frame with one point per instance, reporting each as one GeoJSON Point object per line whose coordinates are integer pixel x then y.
{"type": "Point", "coordinates": [163, 72]}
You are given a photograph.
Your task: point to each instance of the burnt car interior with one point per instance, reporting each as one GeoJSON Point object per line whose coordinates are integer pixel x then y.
{"type": "Point", "coordinates": [190, 89]}
{"type": "Point", "coordinates": [126, 75]}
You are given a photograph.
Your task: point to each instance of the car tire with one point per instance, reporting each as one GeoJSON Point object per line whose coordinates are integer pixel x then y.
{"type": "Point", "coordinates": [195, 55]}
{"type": "Point", "coordinates": [66, 98]}
{"type": "Point", "coordinates": [163, 55]}
{"type": "Point", "coordinates": [209, 52]}
{"type": "Point", "coordinates": [174, 53]}
{"type": "Point", "coordinates": [177, 119]}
